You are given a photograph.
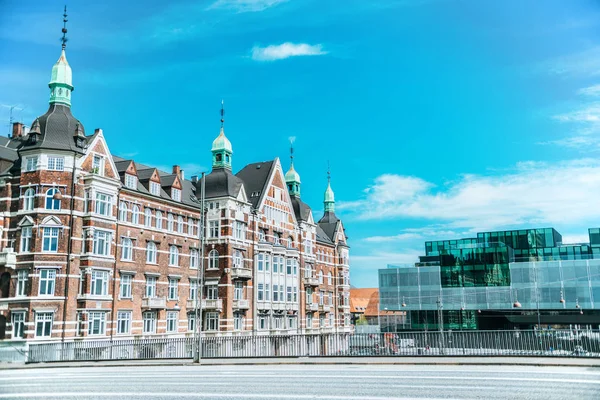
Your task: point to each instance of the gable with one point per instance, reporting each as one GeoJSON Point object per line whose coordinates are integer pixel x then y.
{"type": "Point", "coordinates": [98, 146]}
{"type": "Point", "coordinates": [131, 169]}
{"type": "Point", "coordinates": [276, 195]}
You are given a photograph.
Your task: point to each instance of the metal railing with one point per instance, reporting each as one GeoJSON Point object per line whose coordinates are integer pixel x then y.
{"type": "Point", "coordinates": [555, 343]}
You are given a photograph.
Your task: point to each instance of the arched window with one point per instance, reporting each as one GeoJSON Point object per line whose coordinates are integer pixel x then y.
{"type": "Point", "coordinates": [151, 253]}
{"type": "Point", "coordinates": [173, 255]}
{"type": "Point", "coordinates": [329, 279]}
{"type": "Point", "coordinates": [51, 202]}
{"type": "Point", "coordinates": [135, 215]}
{"type": "Point", "coordinates": [126, 249]}
{"type": "Point", "coordinates": [28, 199]}
{"type": "Point", "coordinates": [213, 259]}
{"type": "Point", "coordinates": [170, 222]}
{"type": "Point", "coordinates": [190, 226]}
{"type": "Point", "coordinates": [148, 217]}
{"type": "Point", "coordinates": [320, 277]}
{"type": "Point", "coordinates": [193, 258]}
{"type": "Point", "coordinates": [122, 211]}
{"type": "Point", "coordinates": [180, 224]}
{"type": "Point", "coordinates": [159, 222]}
{"type": "Point", "coordinates": [237, 259]}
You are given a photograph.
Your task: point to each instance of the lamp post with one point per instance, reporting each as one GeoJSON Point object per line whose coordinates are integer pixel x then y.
{"type": "Point", "coordinates": [440, 307]}
{"type": "Point", "coordinates": [200, 275]}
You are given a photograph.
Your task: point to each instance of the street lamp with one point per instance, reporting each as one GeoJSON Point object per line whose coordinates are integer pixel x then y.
{"type": "Point", "coordinates": [200, 274]}
{"type": "Point", "coordinates": [440, 307]}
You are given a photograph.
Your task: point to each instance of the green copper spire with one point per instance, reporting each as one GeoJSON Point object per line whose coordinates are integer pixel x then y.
{"type": "Point", "coordinates": [221, 147]}
{"type": "Point", "coordinates": [329, 197]}
{"type": "Point", "coordinates": [292, 178]}
{"type": "Point", "coordinates": [61, 84]}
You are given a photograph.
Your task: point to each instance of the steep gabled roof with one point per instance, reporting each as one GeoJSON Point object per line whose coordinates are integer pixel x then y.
{"type": "Point", "coordinates": [221, 183]}
{"type": "Point", "coordinates": [301, 209]}
{"type": "Point", "coordinates": [329, 223]}
{"type": "Point", "coordinates": [322, 236]}
{"type": "Point", "coordinates": [256, 178]}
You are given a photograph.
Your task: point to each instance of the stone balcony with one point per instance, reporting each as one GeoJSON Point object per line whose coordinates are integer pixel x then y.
{"type": "Point", "coordinates": [310, 281]}
{"type": "Point", "coordinates": [8, 258]}
{"type": "Point", "coordinates": [207, 304]}
{"type": "Point", "coordinates": [325, 308]}
{"type": "Point", "coordinates": [312, 307]}
{"type": "Point", "coordinates": [156, 303]}
{"type": "Point", "coordinates": [241, 304]}
{"type": "Point", "coordinates": [241, 273]}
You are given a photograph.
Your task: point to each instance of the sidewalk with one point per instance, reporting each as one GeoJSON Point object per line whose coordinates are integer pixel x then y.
{"type": "Point", "coordinates": [533, 361]}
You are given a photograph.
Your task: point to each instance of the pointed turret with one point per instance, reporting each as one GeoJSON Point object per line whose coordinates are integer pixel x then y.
{"type": "Point", "coordinates": [61, 82]}
{"type": "Point", "coordinates": [292, 178]}
{"type": "Point", "coordinates": [221, 147]}
{"type": "Point", "coordinates": [329, 200]}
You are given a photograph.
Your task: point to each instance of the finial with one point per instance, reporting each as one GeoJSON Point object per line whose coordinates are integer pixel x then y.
{"type": "Point", "coordinates": [222, 113]}
{"type": "Point", "coordinates": [64, 30]}
{"type": "Point", "coordinates": [292, 140]}
{"type": "Point", "coordinates": [328, 172]}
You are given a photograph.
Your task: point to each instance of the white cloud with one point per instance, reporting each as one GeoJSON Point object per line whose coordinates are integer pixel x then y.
{"type": "Point", "coordinates": [586, 62]}
{"type": "Point", "coordinates": [531, 194]}
{"type": "Point", "coordinates": [285, 50]}
{"type": "Point", "coordinates": [588, 113]}
{"type": "Point", "coordinates": [246, 5]}
{"type": "Point", "coordinates": [590, 91]}
{"type": "Point", "coordinates": [415, 235]}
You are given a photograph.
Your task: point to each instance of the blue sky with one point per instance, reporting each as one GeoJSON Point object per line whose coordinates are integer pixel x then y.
{"type": "Point", "coordinates": [440, 118]}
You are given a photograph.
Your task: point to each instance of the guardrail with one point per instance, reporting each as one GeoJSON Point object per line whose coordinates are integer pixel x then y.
{"type": "Point", "coordinates": [452, 343]}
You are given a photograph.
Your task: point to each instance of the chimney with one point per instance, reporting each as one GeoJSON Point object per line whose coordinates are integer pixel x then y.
{"type": "Point", "coordinates": [194, 178]}
{"type": "Point", "coordinates": [182, 176]}
{"type": "Point", "coordinates": [17, 130]}
{"type": "Point", "coordinates": [177, 171]}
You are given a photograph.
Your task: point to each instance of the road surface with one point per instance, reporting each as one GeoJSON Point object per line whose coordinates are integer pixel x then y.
{"type": "Point", "coordinates": [291, 382]}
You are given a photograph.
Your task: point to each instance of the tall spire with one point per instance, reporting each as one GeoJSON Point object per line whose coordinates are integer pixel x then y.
{"type": "Point", "coordinates": [292, 178]}
{"type": "Point", "coordinates": [221, 146]}
{"type": "Point", "coordinates": [329, 201]}
{"type": "Point", "coordinates": [61, 84]}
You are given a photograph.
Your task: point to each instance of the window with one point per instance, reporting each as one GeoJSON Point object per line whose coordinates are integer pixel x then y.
{"type": "Point", "coordinates": [237, 259]}
{"type": "Point", "coordinates": [213, 229]}
{"type": "Point", "coordinates": [98, 165]}
{"type": "Point", "coordinates": [31, 164]}
{"type": "Point", "coordinates": [159, 219]}
{"type": "Point", "coordinates": [151, 253]}
{"type": "Point", "coordinates": [238, 291]}
{"type": "Point", "coordinates": [56, 163]}
{"type": "Point", "coordinates": [193, 258]}
{"type": "Point", "coordinates": [191, 321]}
{"type": "Point", "coordinates": [275, 292]}
{"type": "Point", "coordinates": [330, 298]}
{"type": "Point", "coordinates": [97, 323]}
{"type": "Point", "coordinates": [320, 277]}
{"type": "Point", "coordinates": [261, 292]}
{"type": "Point", "coordinates": [155, 188]}
{"type": "Point", "coordinates": [278, 321]}
{"type": "Point", "coordinates": [267, 263]}
{"type": "Point", "coordinates": [22, 275]}
{"type": "Point", "coordinates": [321, 294]}
{"type": "Point", "coordinates": [148, 217]}
{"type": "Point", "coordinates": [213, 259]}
{"type": "Point", "coordinates": [240, 230]}
{"type": "Point", "coordinates": [99, 283]}
{"type": "Point", "coordinates": [275, 264]}
{"type": "Point", "coordinates": [173, 256]}
{"type": "Point", "coordinates": [329, 279]}
{"type": "Point", "coordinates": [295, 294]}
{"type": "Point", "coordinates": [149, 318]}
{"type": "Point", "coordinates": [126, 249]}
{"type": "Point", "coordinates": [261, 235]}
{"type": "Point", "coordinates": [212, 292]}
{"type": "Point", "coordinates": [212, 321]}
{"type": "Point", "coordinates": [238, 321]}
{"type": "Point", "coordinates": [289, 263]}
{"type": "Point", "coordinates": [276, 238]}
{"type": "Point", "coordinates": [123, 322]}
{"type": "Point", "coordinates": [17, 319]}
{"type": "Point", "coordinates": [125, 292]}
{"type": "Point", "coordinates": [25, 239]}
{"type": "Point", "coordinates": [267, 292]}
{"type": "Point", "coordinates": [28, 199]}
{"type": "Point", "coordinates": [51, 202]}
{"type": "Point", "coordinates": [47, 280]}
{"type": "Point", "coordinates": [122, 211]}
{"type": "Point", "coordinates": [103, 202]}
{"type": "Point", "coordinates": [261, 262]}
{"type": "Point", "coordinates": [180, 224]}
{"type": "Point", "coordinates": [292, 322]}
{"type": "Point", "coordinates": [322, 320]}
{"type": "Point", "coordinates": [101, 243]}
{"type": "Point", "coordinates": [170, 222]}
{"type": "Point", "coordinates": [43, 324]}
{"type": "Point", "coordinates": [135, 215]}
{"type": "Point", "coordinates": [309, 321]}
{"type": "Point", "coordinates": [193, 289]}
{"type": "Point", "coordinates": [151, 286]}
{"type": "Point", "coordinates": [308, 246]}
{"type": "Point", "coordinates": [131, 181]}
{"type": "Point", "coordinates": [176, 194]}
{"type": "Point", "coordinates": [190, 226]}
{"type": "Point", "coordinates": [173, 289]}
{"type": "Point", "coordinates": [172, 320]}
{"type": "Point", "coordinates": [289, 294]}
{"type": "Point", "coordinates": [263, 322]}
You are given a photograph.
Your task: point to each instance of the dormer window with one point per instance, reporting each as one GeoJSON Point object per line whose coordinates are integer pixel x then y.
{"type": "Point", "coordinates": [31, 164]}
{"type": "Point", "coordinates": [56, 163]}
{"type": "Point", "coordinates": [131, 181]}
{"type": "Point", "coordinates": [155, 188]}
{"type": "Point", "coordinates": [98, 165]}
{"type": "Point", "coordinates": [176, 194]}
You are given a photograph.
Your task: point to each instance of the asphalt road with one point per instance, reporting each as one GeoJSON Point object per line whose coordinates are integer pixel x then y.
{"type": "Point", "coordinates": [328, 382]}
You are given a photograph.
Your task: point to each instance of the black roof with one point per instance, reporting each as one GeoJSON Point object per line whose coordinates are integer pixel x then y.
{"type": "Point", "coordinates": [255, 177]}
{"type": "Point", "coordinates": [301, 209]}
{"type": "Point", "coordinates": [220, 183]}
{"type": "Point", "coordinates": [322, 236]}
{"type": "Point", "coordinates": [57, 130]}
{"type": "Point", "coordinates": [329, 223]}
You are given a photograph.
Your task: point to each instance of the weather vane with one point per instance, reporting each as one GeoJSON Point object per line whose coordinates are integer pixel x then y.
{"type": "Point", "coordinates": [64, 30]}
{"type": "Point", "coordinates": [328, 172]}
{"type": "Point", "coordinates": [292, 139]}
{"type": "Point", "coordinates": [222, 113]}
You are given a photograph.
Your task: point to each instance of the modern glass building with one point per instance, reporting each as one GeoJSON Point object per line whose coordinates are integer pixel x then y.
{"type": "Point", "coordinates": [498, 280]}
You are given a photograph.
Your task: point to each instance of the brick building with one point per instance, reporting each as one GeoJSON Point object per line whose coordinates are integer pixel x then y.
{"type": "Point", "coordinates": [95, 245]}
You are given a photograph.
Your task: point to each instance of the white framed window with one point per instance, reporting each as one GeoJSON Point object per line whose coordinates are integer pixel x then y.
{"type": "Point", "coordinates": [193, 289]}
{"type": "Point", "coordinates": [275, 264]}
{"type": "Point", "coordinates": [309, 321]}
{"type": "Point", "coordinates": [56, 163]}
{"type": "Point", "coordinates": [43, 324]}
{"type": "Point", "coordinates": [159, 220]}
{"type": "Point", "coordinates": [238, 290]}
{"type": "Point", "coordinates": [148, 217]}
{"type": "Point", "coordinates": [212, 292]}
{"type": "Point", "coordinates": [320, 277]}
{"type": "Point", "coordinates": [123, 322]}
{"type": "Point", "coordinates": [31, 163]}
{"type": "Point", "coordinates": [51, 202]}
{"type": "Point", "coordinates": [126, 249]}
{"type": "Point", "coordinates": [213, 229]}
{"type": "Point", "coordinates": [173, 256]}
{"type": "Point", "coordinates": [330, 298]}
{"type": "Point", "coordinates": [288, 294]}
{"type": "Point", "coordinates": [47, 282]}
{"type": "Point", "coordinates": [96, 323]}
{"type": "Point", "coordinates": [191, 317]}
{"type": "Point", "coordinates": [289, 264]}
{"type": "Point", "coordinates": [194, 258]}
{"type": "Point", "coordinates": [17, 319]}
{"type": "Point", "coordinates": [260, 262]}
{"type": "Point", "coordinates": [155, 188]}
{"type": "Point", "coordinates": [329, 278]}
{"type": "Point", "coordinates": [263, 322]}
{"type": "Point", "coordinates": [176, 194]}
{"type": "Point", "coordinates": [122, 211]}
{"type": "Point", "coordinates": [151, 253]}
{"type": "Point", "coordinates": [276, 238]}
{"type": "Point", "coordinates": [172, 321]}
{"type": "Point", "coordinates": [22, 276]}
{"type": "Point", "coordinates": [292, 322]}
{"type": "Point", "coordinates": [149, 318]}
{"type": "Point", "coordinates": [135, 214]}
{"type": "Point", "coordinates": [180, 224]}
{"type": "Point", "coordinates": [125, 288]}
{"type": "Point", "coordinates": [50, 239]}
{"type": "Point", "coordinates": [275, 292]}
{"type": "Point", "coordinates": [173, 289]}
{"type": "Point", "coordinates": [238, 321]}
{"type": "Point", "coordinates": [103, 204]}
{"type": "Point", "coordinates": [151, 286]}
{"type": "Point", "coordinates": [322, 320]}
{"type": "Point", "coordinates": [238, 260]}
{"type": "Point", "coordinates": [99, 285]}
{"type": "Point", "coordinates": [267, 292]}
{"type": "Point", "coordinates": [131, 181]}
{"type": "Point", "coordinates": [260, 295]}
{"type": "Point", "coordinates": [240, 230]}
{"type": "Point", "coordinates": [295, 294]}
{"type": "Point", "coordinates": [98, 165]}
{"type": "Point", "coordinates": [25, 239]}
{"type": "Point", "coordinates": [213, 259]}
{"type": "Point", "coordinates": [170, 222]}
{"type": "Point", "coordinates": [261, 235]}
{"type": "Point", "coordinates": [212, 321]}
{"type": "Point", "coordinates": [102, 241]}
{"type": "Point", "coordinates": [191, 226]}
{"type": "Point", "coordinates": [29, 199]}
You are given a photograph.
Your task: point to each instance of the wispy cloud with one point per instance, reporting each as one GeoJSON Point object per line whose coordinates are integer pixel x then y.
{"type": "Point", "coordinates": [590, 91]}
{"type": "Point", "coordinates": [411, 235]}
{"type": "Point", "coordinates": [245, 5]}
{"type": "Point", "coordinates": [286, 50]}
{"type": "Point", "coordinates": [583, 63]}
